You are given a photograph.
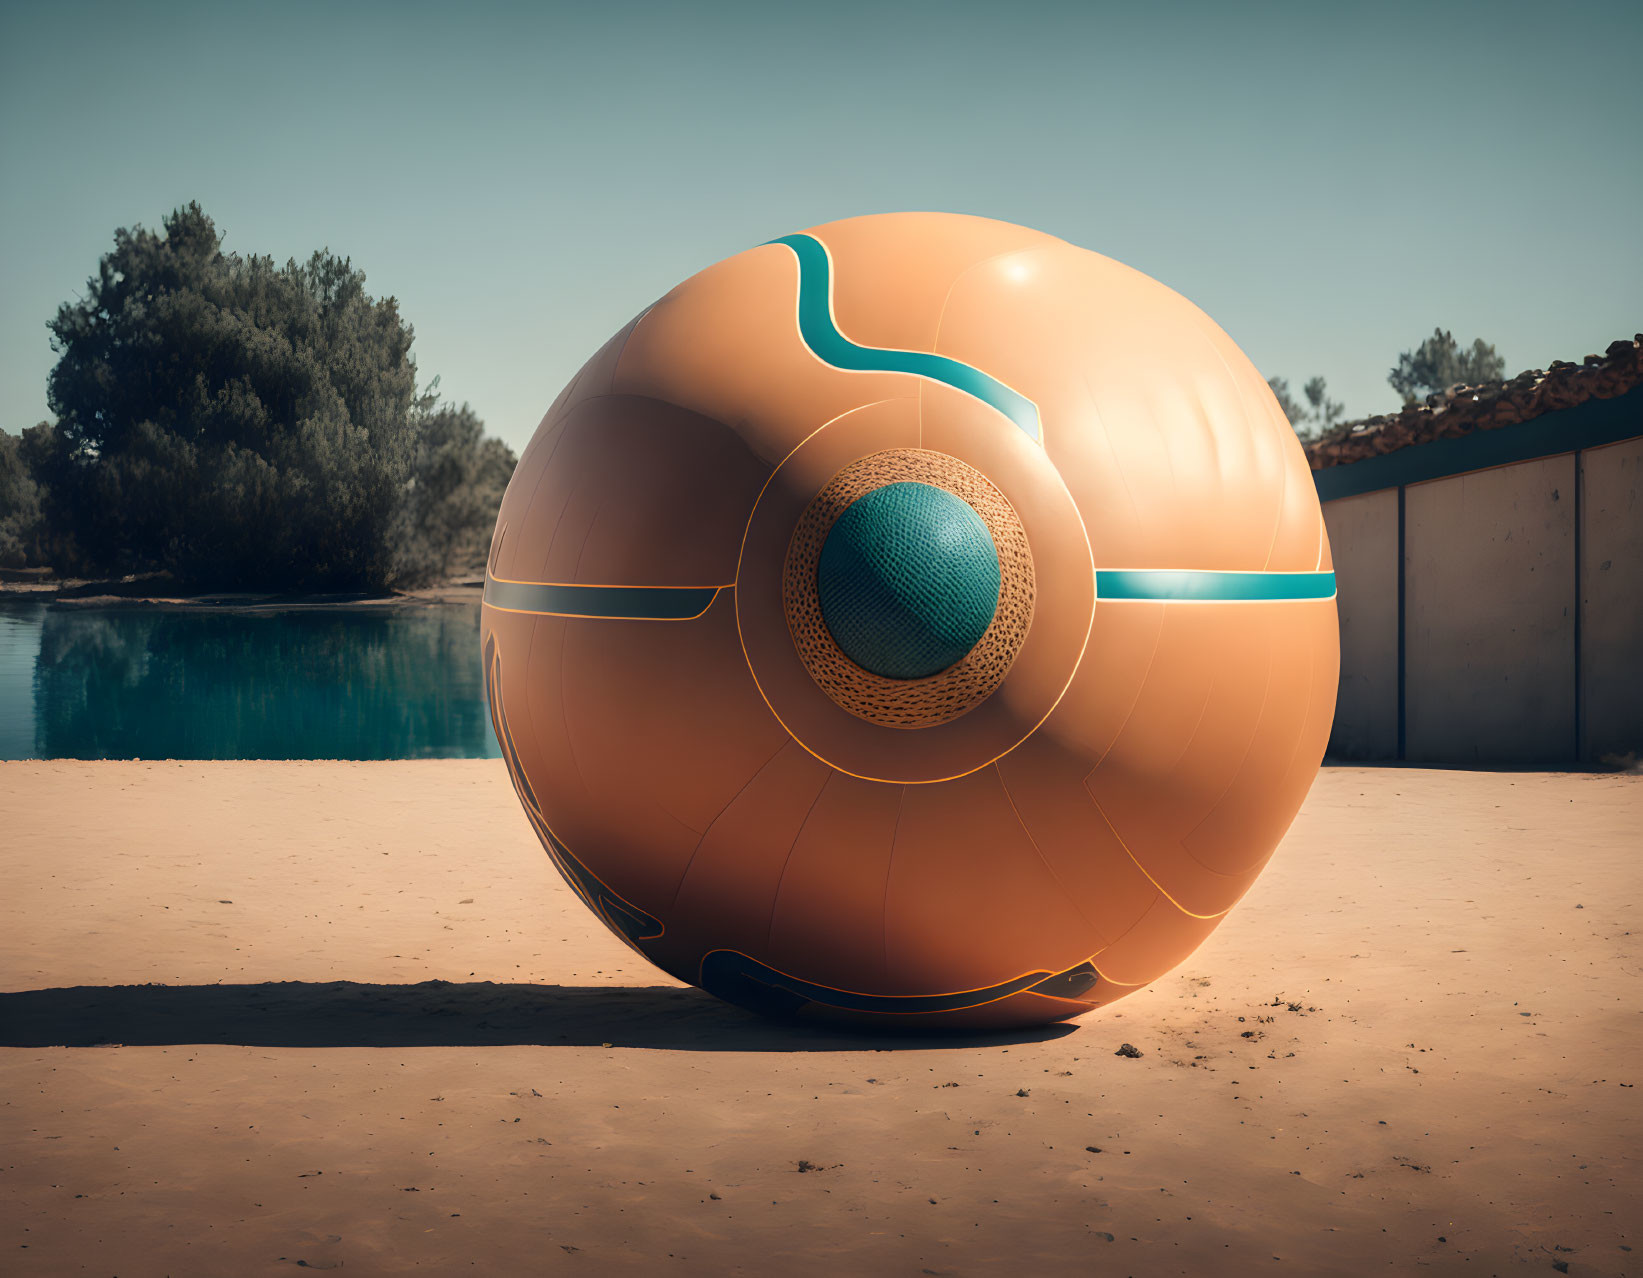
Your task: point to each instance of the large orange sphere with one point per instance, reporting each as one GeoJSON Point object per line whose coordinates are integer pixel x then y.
{"type": "Point", "coordinates": [919, 618]}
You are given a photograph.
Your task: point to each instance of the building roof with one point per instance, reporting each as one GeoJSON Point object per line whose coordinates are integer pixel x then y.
{"type": "Point", "coordinates": [1463, 410]}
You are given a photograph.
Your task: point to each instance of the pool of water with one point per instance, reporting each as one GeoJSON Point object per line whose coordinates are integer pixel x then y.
{"type": "Point", "coordinates": [319, 683]}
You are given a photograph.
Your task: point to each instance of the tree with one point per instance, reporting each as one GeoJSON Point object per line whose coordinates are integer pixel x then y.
{"type": "Point", "coordinates": [1438, 363]}
{"type": "Point", "coordinates": [23, 535]}
{"type": "Point", "coordinates": [227, 420]}
{"type": "Point", "coordinates": [1292, 410]}
{"type": "Point", "coordinates": [457, 481]}
{"type": "Point", "coordinates": [19, 503]}
{"type": "Point", "coordinates": [1325, 412]}
{"type": "Point", "coordinates": [1317, 415]}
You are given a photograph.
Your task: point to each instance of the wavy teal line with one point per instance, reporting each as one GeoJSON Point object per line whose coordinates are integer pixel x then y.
{"type": "Point", "coordinates": [1188, 585]}
{"type": "Point", "coordinates": [822, 336]}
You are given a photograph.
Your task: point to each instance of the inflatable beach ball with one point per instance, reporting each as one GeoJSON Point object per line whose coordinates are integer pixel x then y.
{"type": "Point", "coordinates": [918, 619]}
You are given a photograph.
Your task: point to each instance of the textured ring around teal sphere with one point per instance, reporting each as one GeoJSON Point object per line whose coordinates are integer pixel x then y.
{"type": "Point", "coordinates": [908, 580]}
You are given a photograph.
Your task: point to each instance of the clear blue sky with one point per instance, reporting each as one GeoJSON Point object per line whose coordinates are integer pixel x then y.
{"type": "Point", "coordinates": [1328, 181]}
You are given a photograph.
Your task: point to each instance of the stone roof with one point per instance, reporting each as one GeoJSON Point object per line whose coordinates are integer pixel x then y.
{"type": "Point", "coordinates": [1460, 410]}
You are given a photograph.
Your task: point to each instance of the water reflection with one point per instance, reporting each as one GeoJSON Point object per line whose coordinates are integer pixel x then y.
{"type": "Point", "coordinates": [360, 683]}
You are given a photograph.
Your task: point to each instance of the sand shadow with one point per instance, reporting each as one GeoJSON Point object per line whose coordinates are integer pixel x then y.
{"type": "Point", "coordinates": [435, 1014]}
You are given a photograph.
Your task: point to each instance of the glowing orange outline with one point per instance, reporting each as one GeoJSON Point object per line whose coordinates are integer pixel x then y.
{"type": "Point", "coordinates": [759, 688]}
{"type": "Point", "coordinates": [535, 816]}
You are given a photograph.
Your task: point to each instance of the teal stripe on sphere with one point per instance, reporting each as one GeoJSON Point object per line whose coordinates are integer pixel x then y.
{"type": "Point", "coordinates": [642, 603]}
{"type": "Point", "coordinates": [1188, 585]}
{"type": "Point", "coordinates": [830, 346]}
{"type": "Point", "coordinates": [908, 580]}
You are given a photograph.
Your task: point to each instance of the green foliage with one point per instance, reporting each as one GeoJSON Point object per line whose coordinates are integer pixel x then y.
{"type": "Point", "coordinates": [457, 481]}
{"type": "Point", "coordinates": [1439, 362]}
{"type": "Point", "coordinates": [237, 423]}
{"type": "Point", "coordinates": [19, 503]}
{"type": "Point", "coordinates": [23, 534]}
{"type": "Point", "coordinates": [1316, 415]}
{"type": "Point", "coordinates": [1292, 410]}
{"type": "Point", "coordinates": [1324, 412]}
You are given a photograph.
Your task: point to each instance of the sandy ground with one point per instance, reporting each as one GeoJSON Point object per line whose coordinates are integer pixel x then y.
{"type": "Point", "coordinates": [1413, 1045]}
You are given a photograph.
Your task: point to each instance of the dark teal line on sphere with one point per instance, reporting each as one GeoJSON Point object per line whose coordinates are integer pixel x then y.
{"type": "Point", "coordinates": [684, 603]}
{"type": "Point", "coordinates": [1188, 585]}
{"type": "Point", "coordinates": [637, 603]}
{"type": "Point", "coordinates": [822, 336]}
{"type": "Point", "coordinates": [746, 982]}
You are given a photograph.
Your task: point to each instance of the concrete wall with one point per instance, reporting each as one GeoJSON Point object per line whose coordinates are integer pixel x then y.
{"type": "Point", "coordinates": [1611, 599]}
{"type": "Point", "coordinates": [1489, 615]}
{"type": "Point", "coordinates": [1510, 631]}
{"type": "Point", "coordinates": [1363, 539]}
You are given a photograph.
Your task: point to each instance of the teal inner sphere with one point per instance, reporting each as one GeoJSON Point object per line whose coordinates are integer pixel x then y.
{"type": "Point", "coordinates": [908, 580]}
